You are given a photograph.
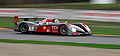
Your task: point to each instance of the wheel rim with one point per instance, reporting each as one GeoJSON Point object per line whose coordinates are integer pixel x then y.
{"type": "Point", "coordinates": [23, 28]}
{"type": "Point", "coordinates": [63, 30]}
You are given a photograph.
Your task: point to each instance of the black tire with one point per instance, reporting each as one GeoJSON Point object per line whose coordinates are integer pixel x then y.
{"type": "Point", "coordinates": [23, 28]}
{"type": "Point", "coordinates": [63, 30]}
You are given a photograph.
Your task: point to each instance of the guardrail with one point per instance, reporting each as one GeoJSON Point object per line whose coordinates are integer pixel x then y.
{"type": "Point", "coordinates": [96, 15]}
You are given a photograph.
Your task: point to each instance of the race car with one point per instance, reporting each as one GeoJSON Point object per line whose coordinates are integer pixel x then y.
{"type": "Point", "coordinates": [50, 25]}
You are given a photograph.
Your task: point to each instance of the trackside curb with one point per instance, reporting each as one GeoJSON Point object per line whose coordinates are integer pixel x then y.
{"type": "Point", "coordinates": [5, 28]}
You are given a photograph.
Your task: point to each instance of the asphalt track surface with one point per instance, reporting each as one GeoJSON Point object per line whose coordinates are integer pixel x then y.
{"type": "Point", "coordinates": [10, 34]}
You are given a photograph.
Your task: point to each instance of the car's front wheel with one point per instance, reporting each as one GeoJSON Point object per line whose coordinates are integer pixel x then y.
{"type": "Point", "coordinates": [24, 28]}
{"type": "Point", "coordinates": [63, 30]}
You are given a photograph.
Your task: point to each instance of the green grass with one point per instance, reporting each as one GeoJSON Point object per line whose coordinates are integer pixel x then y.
{"type": "Point", "coordinates": [81, 6]}
{"type": "Point", "coordinates": [112, 28]}
{"type": "Point", "coordinates": [105, 46]}
{"type": "Point", "coordinates": [6, 22]}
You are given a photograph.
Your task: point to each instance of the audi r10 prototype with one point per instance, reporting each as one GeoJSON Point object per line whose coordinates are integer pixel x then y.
{"type": "Point", "coordinates": [51, 26]}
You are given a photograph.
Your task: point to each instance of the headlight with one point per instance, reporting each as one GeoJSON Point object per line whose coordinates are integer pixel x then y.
{"type": "Point", "coordinates": [73, 29]}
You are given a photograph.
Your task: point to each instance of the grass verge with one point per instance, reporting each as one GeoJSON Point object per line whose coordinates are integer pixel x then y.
{"type": "Point", "coordinates": [105, 46]}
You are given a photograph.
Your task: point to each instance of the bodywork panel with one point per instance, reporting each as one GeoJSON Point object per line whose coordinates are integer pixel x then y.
{"type": "Point", "coordinates": [48, 28]}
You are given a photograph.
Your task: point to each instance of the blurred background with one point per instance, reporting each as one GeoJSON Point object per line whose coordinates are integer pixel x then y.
{"type": "Point", "coordinates": [20, 2]}
{"type": "Point", "coordinates": [102, 16]}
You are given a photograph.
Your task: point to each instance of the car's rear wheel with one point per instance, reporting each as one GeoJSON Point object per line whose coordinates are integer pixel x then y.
{"type": "Point", "coordinates": [63, 30]}
{"type": "Point", "coordinates": [24, 28]}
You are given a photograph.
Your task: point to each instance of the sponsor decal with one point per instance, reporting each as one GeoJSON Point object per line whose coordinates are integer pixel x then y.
{"type": "Point", "coordinates": [54, 27]}
{"type": "Point", "coordinates": [44, 27]}
{"type": "Point", "coordinates": [31, 28]}
{"type": "Point", "coordinates": [54, 31]}
{"type": "Point", "coordinates": [48, 30]}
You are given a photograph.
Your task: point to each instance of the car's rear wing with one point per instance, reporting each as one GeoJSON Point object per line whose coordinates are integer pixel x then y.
{"type": "Point", "coordinates": [26, 18]}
